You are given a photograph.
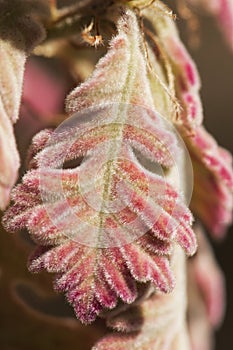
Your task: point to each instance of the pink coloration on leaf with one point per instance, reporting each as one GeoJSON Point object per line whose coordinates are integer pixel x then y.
{"type": "Point", "coordinates": [214, 157]}
{"type": "Point", "coordinates": [212, 164]}
{"type": "Point", "coordinates": [213, 175]}
{"type": "Point", "coordinates": [187, 82]}
{"type": "Point", "coordinates": [39, 141]}
{"type": "Point", "coordinates": [120, 267]}
{"type": "Point", "coordinates": [185, 74]}
{"type": "Point", "coordinates": [104, 236]}
{"type": "Point", "coordinates": [124, 56]}
{"type": "Point", "coordinates": [155, 323]}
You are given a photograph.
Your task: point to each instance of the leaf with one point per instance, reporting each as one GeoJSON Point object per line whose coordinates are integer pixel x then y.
{"type": "Point", "coordinates": [156, 323]}
{"type": "Point", "coordinates": [181, 68]}
{"type": "Point", "coordinates": [106, 236]}
{"type": "Point", "coordinates": [213, 174]}
{"type": "Point", "coordinates": [19, 32]}
{"type": "Point", "coordinates": [12, 67]}
{"type": "Point", "coordinates": [211, 284]}
{"type": "Point", "coordinates": [212, 164]}
{"type": "Point", "coordinates": [206, 295]}
{"type": "Point", "coordinates": [143, 260]}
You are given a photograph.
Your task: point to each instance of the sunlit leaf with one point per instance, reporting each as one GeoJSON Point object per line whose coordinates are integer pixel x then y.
{"type": "Point", "coordinates": [104, 239]}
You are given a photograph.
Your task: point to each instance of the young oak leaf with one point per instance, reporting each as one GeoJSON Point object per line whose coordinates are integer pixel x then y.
{"type": "Point", "coordinates": [105, 236]}
{"type": "Point", "coordinates": [82, 267]}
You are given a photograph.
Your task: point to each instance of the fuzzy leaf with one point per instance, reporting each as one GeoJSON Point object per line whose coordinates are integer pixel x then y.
{"type": "Point", "coordinates": [156, 323]}
{"type": "Point", "coordinates": [144, 260]}
{"type": "Point", "coordinates": [212, 165]}
{"type": "Point", "coordinates": [126, 235]}
{"type": "Point", "coordinates": [183, 69]}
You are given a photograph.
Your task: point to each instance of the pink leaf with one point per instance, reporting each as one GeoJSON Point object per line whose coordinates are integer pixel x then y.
{"type": "Point", "coordinates": [120, 228]}
{"type": "Point", "coordinates": [183, 70]}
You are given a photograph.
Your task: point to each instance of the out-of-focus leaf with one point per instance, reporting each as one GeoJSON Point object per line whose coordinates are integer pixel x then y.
{"type": "Point", "coordinates": [11, 78]}
{"type": "Point", "coordinates": [206, 295]}
{"type": "Point", "coordinates": [20, 30]}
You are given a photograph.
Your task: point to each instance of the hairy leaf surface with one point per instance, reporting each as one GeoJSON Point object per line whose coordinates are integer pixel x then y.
{"type": "Point", "coordinates": [222, 11]}
{"type": "Point", "coordinates": [157, 323]}
{"type": "Point", "coordinates": [105, 237]}
{"type": "Point", "coordinates": [183, 70]}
